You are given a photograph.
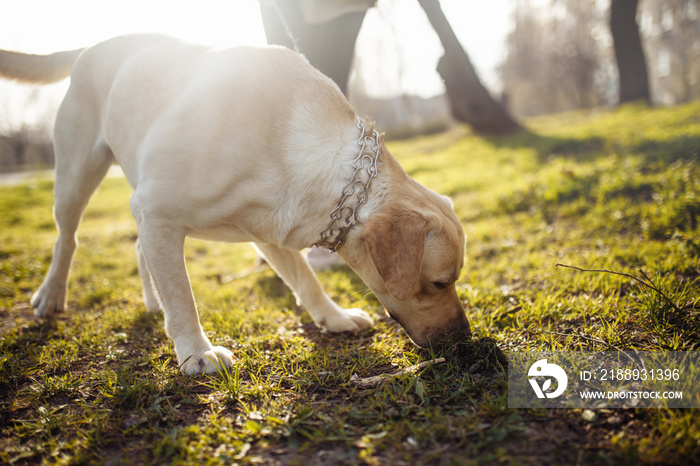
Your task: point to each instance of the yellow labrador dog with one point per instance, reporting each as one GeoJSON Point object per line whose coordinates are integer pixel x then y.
{"type": "Point", "coordinates": [243, 144]}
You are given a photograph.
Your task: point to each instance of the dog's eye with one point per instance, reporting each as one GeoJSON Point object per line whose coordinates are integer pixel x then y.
{"type": "Point", "coordinates": [441, 285]}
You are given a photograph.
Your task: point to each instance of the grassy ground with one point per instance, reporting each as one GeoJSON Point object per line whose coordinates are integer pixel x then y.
{"type": "Point", "coordinates": [615, 190]}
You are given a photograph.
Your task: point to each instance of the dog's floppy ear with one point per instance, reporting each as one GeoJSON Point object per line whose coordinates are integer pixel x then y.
{"type": "Point", "coordinates": [395, 241]}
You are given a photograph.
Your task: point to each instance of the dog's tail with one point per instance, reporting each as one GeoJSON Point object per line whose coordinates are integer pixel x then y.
{"type": "Point", "coordinates": [37, 69]}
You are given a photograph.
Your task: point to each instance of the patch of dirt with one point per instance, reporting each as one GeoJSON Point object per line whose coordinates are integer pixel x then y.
{"type": "Point", "coordinates": [16, 316]}
{"type": "Point", "coordinates": [480, 355]}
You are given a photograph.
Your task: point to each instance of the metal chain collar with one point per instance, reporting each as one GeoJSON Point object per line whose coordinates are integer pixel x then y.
{"type": "Point", "coordinates": [344, 217]}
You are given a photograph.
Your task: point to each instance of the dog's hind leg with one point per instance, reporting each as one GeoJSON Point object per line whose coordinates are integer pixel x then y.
{"type": "Point", "coordinates": [150, 295]}
{"type": "Point", "coordinates": [162, 244]}
{"type": "Point", "coordinates": [294, 269]}
{"type": "Point", "coordinates": [82, 160]}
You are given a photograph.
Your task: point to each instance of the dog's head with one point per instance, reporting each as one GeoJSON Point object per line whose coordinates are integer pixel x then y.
{"type": "Point", "coordinates": [410, 253]}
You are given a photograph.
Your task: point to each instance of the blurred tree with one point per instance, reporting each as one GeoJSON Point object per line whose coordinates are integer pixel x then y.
{"type": "Point", "coordinates": [26, 142]}
{"type": "Point", "coordinates": [670, 32]}
{"type": "Point", "coordinates": [558, 57]}
{"type": "Point", "coordinates": [631, 64]}
{"type": "Point", "coordinates": [469, 99]}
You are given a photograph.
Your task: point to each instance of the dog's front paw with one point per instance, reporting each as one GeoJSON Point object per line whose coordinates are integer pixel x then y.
{"type": "Point", "coordinates": [207, 362]}
{"type": "Point", "coordinates": [348, 320]}
{"type": "Point", "coordinates": [49, 299]}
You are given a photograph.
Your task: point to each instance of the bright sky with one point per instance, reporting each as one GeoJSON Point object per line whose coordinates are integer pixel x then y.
{"type": "Point", "coordinates": [45, 26]}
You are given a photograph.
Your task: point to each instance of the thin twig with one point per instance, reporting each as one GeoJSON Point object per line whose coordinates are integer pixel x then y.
{"type": "Point", "coordinates": [229, 277]}
{"type": "Point", "coordinates": [668, 300]}
{"type": "Point", "coordinates": [370, 382]}
{"type": "Point", "coordinates": [649, 284]}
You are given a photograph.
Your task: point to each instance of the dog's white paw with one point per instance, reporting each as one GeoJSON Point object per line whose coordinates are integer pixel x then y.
{"type": "Point", "coordinates": [48, 300]}
{"type": "Point", "coordinates": [348, 320]}
{"type": "Point", "coordinates": [207, 362]}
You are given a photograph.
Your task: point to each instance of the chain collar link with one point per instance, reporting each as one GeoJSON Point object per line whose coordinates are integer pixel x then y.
{"type": "Point", "coordinates": [344, 216]}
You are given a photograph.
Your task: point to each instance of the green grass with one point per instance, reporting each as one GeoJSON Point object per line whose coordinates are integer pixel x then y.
{"type": "Point", "coordinates": [611, 190]}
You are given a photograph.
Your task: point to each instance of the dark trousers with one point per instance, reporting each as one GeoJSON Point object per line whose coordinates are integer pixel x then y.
{"type": "Point", "coordinates": [328, 46]}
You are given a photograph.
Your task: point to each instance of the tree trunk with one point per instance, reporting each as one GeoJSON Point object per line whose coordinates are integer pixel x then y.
{"type": "Point", "coordinates": [631, 64]}
{"type": "Point", "coordinates": [469, 99]}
